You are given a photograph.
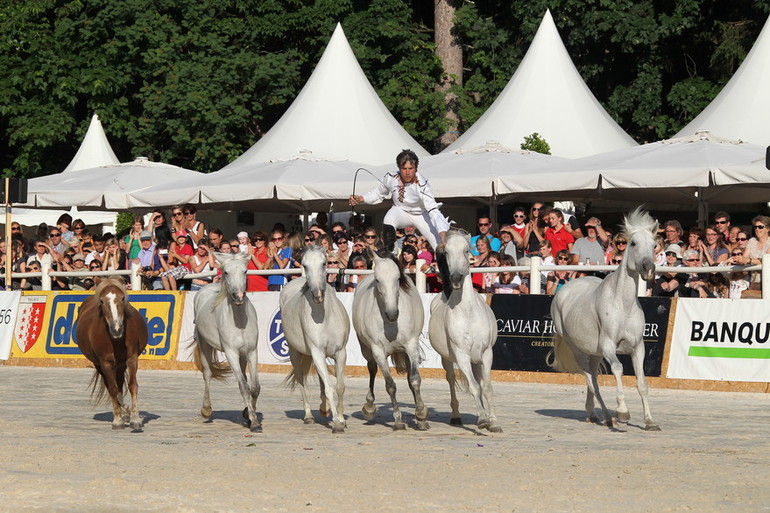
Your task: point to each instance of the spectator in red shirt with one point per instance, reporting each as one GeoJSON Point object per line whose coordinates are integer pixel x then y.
{"type": "Point", "coordinates": [559, 237]}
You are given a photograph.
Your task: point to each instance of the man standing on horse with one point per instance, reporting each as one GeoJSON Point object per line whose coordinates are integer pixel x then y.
{"type": "Point", "coordinates": [413, 203]}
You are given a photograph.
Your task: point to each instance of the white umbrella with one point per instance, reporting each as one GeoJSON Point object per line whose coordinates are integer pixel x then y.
{"type": "Point", "coordinates": [106, 186]}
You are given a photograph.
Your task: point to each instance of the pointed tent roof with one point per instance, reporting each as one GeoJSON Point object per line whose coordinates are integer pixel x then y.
{"type": "Point", "coordinates": [336, 116]}
{"type": "Point", "coordinates": [94, 151]}
{"type": "Point", "coordinates": [742, 108]}
{"type": "Point", "coordinates": [547, 95]}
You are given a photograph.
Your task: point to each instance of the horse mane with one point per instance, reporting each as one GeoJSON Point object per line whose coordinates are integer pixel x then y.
{"type": "Point", "coordinates": [639, 220]}
{"type": "Point", "coordinates": [403, 279]}
{"type": "Point", "coordinates": [456, 231]}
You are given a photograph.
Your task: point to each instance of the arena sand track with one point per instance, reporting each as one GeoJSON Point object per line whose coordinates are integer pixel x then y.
{"type": "Point", "coordinates": [58, 452]}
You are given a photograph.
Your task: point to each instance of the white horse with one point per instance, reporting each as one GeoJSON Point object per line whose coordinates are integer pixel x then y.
{"type": "Point", "coordinates": [316, 326]}
{"type": "Point", "coordinates": [463, 329]}
{"type": "Point", "coordinates": [388, 319]}
{"type": "Point", "coordinates": [595, 319]}
{"type": "Point", "coordinates": [226, 320]}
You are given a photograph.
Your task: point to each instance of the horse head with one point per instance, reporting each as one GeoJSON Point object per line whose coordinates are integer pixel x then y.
{"type": "Point", "coordinates": [112, 302]}
{"type": "Point", "coordinates": [234, 275]}
{"type": "Point", "coordinates": [314, 264]}
{"type": "Point", "coordinates": [640, 229]}
{"type": "Point", "coordinates": [389, 278]}
{"type": "Point", "coordinates": [455, 259]}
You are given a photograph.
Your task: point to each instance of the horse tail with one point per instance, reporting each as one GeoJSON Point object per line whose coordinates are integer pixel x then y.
{"type": "Point", "coordinates": [561, 358]}
{"type": "Point", "coordinates": [219, 370]}
{"type": "Point", "coordinates": [400, 362]}
{"type": "Point", "coordinates": [99, 393]}
{"type": "Point", "coordinates": [295, 378]}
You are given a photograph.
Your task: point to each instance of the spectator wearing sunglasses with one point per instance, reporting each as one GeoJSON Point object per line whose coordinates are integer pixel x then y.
{"type": "Point", "coordinates": [757, 246]}
{"type": "Point", "coordinates": [722, 225]}
{"type": "Point", "coordinates": [195, 229]}
{"type": "Point", "coordinates": [343, 247]}
{"type": "Point", "coordinates": [279, 257]}
{"type": "Point", "coordinates": [485, 230]}
{"type": "Point", "coordinates": [258, 261]}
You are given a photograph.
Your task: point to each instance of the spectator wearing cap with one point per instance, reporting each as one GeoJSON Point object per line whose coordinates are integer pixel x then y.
{"type": "Point", "coordinates": [589, 249]}
{"type": "Point", "coordinates": [80, 282]}
{"type": "Point", "coordinates": [669, 283]}
{"type": "Point", "coordinates": [149, 262]}
{"type": "Point", "coordinates": [244, 243]}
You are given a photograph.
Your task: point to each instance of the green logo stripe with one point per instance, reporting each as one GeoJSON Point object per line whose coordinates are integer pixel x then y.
{"type": "Point", "coordinates": [730, 352]}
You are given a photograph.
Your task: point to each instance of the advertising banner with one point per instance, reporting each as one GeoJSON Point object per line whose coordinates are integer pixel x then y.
{"type": "Point", "coordinates": [9, 308]}
{"type": "Point", "coordinates": [273, 348]}
{"type": "Point", "coordinates": [46, 323]}
{"type": "Point", "coordinates": [525, 333]}
{"type": "Point", "coordinates": [721, 340]}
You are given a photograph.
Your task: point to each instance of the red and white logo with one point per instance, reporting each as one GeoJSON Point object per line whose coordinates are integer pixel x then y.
{"type": "Point", "coordinates": [29, 323]}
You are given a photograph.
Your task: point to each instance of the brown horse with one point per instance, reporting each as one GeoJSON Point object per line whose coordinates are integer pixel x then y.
{"type": "Point", "coordinates": [112, 334]}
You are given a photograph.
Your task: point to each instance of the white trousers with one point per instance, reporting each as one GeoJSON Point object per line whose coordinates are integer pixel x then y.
{"type": "Point", "coordinates": [398, 218]}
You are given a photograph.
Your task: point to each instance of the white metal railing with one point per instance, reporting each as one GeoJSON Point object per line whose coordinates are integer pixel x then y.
{"type": "Point", "coordinates": [535, 268]}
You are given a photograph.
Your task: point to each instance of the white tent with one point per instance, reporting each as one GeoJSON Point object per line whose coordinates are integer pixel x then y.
{"type": "Point", "coordinates": [336, 116]}
{"type": "Point", "coordinates": [94, 151]}
{"type": "Point", "coordinates": [742, 109]}
{"type": "Point", "coordinates": [104, 187]}
{"type": "Point", "coordinates": [547, 95]}
{"type": "Point", "coordinates": [680, 173]}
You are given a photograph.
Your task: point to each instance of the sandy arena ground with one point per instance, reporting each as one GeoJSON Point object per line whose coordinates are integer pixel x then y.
{"type": "Point", "coordinates": [58, 452]}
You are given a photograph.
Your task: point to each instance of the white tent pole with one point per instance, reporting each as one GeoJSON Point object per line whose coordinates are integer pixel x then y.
{"type": "Point", "coordinates": [8, 246]}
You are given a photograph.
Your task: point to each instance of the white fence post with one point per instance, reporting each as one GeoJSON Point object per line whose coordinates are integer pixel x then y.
{"type": "Point", "coordinates": [45, 279]}
{"type": "Point", "coordinates": [136, 278]}
{"type": "Point", "coordinates": [535, 277]}
{"type": "Point", "coordinates": [766, 276]}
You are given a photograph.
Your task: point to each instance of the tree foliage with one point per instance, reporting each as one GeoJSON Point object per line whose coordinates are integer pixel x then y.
{"type": "Point", "coordinates": [196, 83]}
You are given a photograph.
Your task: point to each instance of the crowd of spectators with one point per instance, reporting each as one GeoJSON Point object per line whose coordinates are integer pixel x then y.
{"type": "Point", "coordinates": [168, 249]}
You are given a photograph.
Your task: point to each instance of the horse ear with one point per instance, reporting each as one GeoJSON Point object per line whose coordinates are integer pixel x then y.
{"type": "Point", "coordinates": [222, 257]}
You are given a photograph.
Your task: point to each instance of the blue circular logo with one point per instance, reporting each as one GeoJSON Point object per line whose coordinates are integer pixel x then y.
{"type": "Point", "coordinates": [279, 348]}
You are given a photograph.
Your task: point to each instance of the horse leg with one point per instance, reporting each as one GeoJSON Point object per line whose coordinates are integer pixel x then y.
{"type": "Point", "coordinates": [420, 411]}
{"type": "Point", "coordinates": [254, 387]}
{"type": "Point", "coordinates": [486, 387]}
{"type": "Point", "coordinates": [451, 378]}
{"type": "Point", "coordinates": [133, 387]}
{"type": "Point", "coordinates": [369, 408]}
{"type": "Point", "coordinates": [301, 365]}
{"type": "Point", "coordinates": [593, 362]}
{"type": "Point", "coordinates": [206, 353]}
{"type": "Point", "coordinates": [464, 362]}
{"type": "Point", "coordinates": [340, 359]}
{"type": "Point", "coordinates": [319, 360]}
{"type": "Point", "coordinates": [235, 364]}
{"type": "Point", "coordinates": [637, 357]}
{"type": "Point", "coordinates": [120, 380]}
{"type": "Point", "coordinates": [108, 375]}
{"type": "Point", "coordinates": [617, 370]}
{"type": "Point", "coordinates": [390, 387]}
{"type": "Point", "coordinates": [249, 412]}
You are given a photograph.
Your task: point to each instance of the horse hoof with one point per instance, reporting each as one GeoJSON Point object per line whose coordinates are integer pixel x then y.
{"type": "Point", "coordinates": [612, 423]}
{"type": "Point", "coordinates": [456, 421]}
{"type": "Point", "coordinates": [245, 413]}
{"type": "Point", "coordinates": [337, 430]}
{"type": "Point", "coordinates": [399, 426]}
{"type": "Point", "coordinates": [256, 428]}
{"type": "Point", "coordinates": [325, 413]}
{"type": "Point", "coordinates": [137, 427]}
{"type": "Point", "coordinates": [495, 429]}
{"type": "Point", "coordinates": [484, 424]}
{"type": "Point", "coordinates": [652, 427]}
{"type": "Point", "coordinates": [368, 413]}
{"type": "Point", "coordinates": [623, 416]}
{"type": "Point", "coordinates": [206, 413]}
{"type": "Point", "coordinates": [309, 420]}
{"type": "Point", "coordinates": [422, 425]}
{"type": "Point", "coordinates": [119, 426]}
